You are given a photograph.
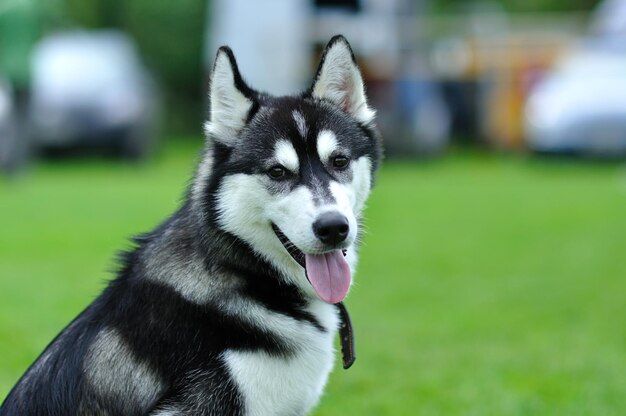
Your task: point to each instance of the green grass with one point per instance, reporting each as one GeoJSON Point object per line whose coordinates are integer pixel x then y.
{"type": "Point", "coordinates": [487, 284]}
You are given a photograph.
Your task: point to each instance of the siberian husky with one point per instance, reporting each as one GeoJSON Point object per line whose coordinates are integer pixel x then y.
{"type": "Point", "coordinates": [231, 306]}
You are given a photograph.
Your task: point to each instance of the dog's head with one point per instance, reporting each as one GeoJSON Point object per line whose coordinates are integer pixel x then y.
{"type": "Point", "coordinates": [290, 175]}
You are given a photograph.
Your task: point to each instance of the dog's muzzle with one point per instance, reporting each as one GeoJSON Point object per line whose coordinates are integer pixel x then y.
{"type": "Point", "coordinates": [328, 272]}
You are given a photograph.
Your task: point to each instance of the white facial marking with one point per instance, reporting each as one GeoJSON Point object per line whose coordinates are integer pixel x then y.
{"type": "Point", "coordinates": [246, 208]}
{"type": "Point", "coordinates": [286, 155]}
{"type": "Point", "coordinates": [326, 144]}
{"type": "Point", "coordinates": [343, 196]}
{"type": "Point", "coordinates": [112, 368]}
{"type": "Point", "coordinates": [361, 182]}
{"type": "Point", "coordinates": [294, 213]}
{"type": "Point", "coordinates": [300, 123]}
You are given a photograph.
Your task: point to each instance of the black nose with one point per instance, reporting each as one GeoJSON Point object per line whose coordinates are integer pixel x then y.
{"type": "Point", "coordinates": [331, 228]}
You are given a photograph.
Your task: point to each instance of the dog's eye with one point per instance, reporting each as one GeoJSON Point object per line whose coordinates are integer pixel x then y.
{"type": "Point", "coordinates": [277, 172]}
{"type": "Point", "coordinates": [341, 162]}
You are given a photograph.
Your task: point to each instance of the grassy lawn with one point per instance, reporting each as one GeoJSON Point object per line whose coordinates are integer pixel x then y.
{"type": "Point", "coordinates": [487, 285]}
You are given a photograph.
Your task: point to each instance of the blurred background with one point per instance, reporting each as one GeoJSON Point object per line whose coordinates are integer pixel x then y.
{"type": "Point", "coordinates": [492, 277]}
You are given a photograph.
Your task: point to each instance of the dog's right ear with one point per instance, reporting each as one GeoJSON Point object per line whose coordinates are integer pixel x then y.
{"type": "Point", "coordinates": [230, 99]}
{"type": "Point", "coordinates": [339, 80]}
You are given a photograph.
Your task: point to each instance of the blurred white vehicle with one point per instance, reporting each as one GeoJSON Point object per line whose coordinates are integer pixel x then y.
{"type": "Point", "coordinates": [581, 105]}
{"type": "Point", "coordinates": [90, 89]}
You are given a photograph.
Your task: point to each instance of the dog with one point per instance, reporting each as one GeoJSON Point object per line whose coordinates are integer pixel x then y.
{"type": "Point", "coordinates": [230, 306]}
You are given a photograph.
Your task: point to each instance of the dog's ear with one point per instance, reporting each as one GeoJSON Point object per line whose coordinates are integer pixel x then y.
{"type": "Point", "coordinates": [339, 80]}
{"type": "Point", "coordinates": [230, 99]}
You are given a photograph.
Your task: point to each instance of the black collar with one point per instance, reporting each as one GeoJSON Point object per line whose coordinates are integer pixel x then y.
{"type": "Point", "coordinates": [346, 337]}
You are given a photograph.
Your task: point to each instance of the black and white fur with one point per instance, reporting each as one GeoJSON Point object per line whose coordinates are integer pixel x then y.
{"type": "Point", "coordinates": [209, 314]}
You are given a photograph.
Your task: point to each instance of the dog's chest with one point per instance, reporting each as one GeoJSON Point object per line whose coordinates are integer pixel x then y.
{"type": "Point", "coordinates": [273, 385]}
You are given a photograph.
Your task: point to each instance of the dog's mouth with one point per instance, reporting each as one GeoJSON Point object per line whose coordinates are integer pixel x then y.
{"type": "Point", "coordinates": [328, 273]}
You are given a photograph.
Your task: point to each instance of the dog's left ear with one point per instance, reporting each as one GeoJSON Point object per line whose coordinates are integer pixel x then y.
{"type": "Point", "coordinates": [230, 99]}
{"type": "Point", "coordinates": [339, 80]}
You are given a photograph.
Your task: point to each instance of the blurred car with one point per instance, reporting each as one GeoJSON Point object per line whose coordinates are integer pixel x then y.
{"type": "Point", "coordinates": [581, 105]}
{"type": "Point", "coordinates": [91, 89]}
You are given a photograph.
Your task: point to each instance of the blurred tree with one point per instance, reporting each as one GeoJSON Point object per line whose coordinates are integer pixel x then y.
{"type": "Point", "coordinates": [20, 27]}
{"type": "Point", "coordinates": [520, 5]}
{"type": "Point", "coordinates": [95, 13]}
{"type": "Point", "coordinates": [169, 35]}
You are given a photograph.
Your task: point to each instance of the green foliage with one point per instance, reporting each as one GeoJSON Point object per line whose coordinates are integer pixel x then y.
{"type": "Point", "coordinates": [536, 6]}
{"type": "Point", "coordinates": [487, 284]}
{"type": "Point", "coordinates": [20, 26]}
{"type": "Point", "coordinates": [169, 36]}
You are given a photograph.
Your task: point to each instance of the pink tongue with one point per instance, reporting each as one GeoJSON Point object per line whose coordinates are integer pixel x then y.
{"type": "Point", "coordinates": [329, 275]}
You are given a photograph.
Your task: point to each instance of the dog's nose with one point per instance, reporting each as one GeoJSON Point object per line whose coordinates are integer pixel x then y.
{"type": "Point", "coordinates": [331, 228]}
